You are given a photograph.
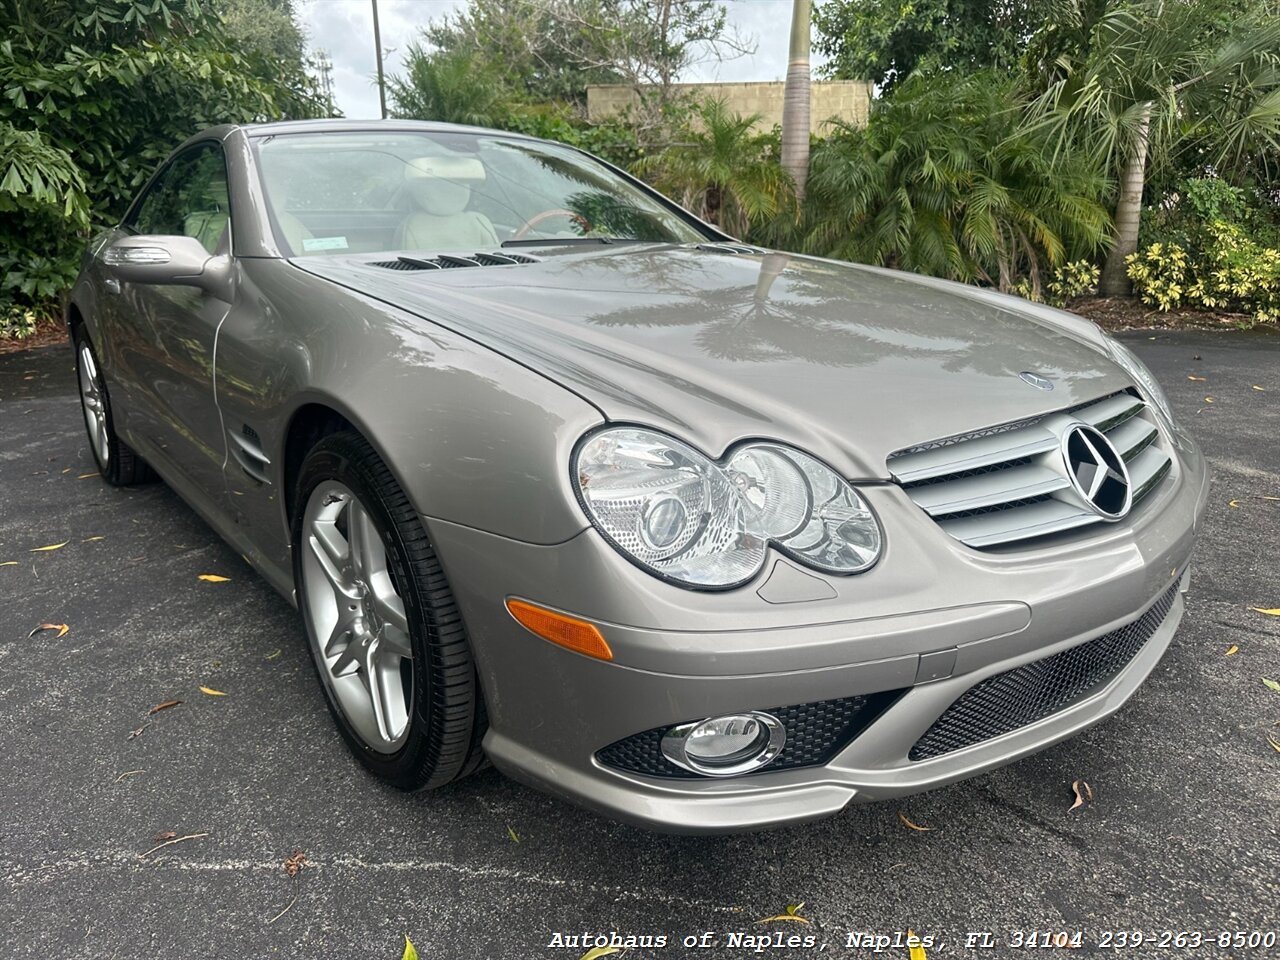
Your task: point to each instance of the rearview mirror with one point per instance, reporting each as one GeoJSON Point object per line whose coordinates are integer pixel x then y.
{"type": "Point", "coordinates": [172, 260]}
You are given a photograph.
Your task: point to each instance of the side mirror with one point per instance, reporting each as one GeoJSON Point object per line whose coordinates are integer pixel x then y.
{"type": "Point", "coordinates": [170, 260]}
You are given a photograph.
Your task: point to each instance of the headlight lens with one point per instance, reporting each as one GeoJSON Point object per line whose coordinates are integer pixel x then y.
{"type": "Point", "coordinates": [1151, 390]}
{"type": "Point", "coordinates": [687, 518]}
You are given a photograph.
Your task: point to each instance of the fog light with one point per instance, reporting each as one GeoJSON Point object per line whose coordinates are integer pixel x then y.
{"type": "Point", "coordinates": [725, 746]}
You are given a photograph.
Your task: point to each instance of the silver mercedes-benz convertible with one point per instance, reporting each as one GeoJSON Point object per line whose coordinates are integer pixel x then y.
{"type": "Point", "coordinates": [702, 536]}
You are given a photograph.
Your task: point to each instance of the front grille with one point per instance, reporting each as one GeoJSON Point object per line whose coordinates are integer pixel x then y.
{"type": "Point", "coordinates": [1011, 700]}
{"type": "Point", "coordinates": [816, 732]}
{"type": "Point", "coordinates": [1008, 484]}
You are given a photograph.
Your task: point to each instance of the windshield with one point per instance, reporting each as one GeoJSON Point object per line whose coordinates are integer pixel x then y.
{"type": "Point", "coordinates": [440, 192]}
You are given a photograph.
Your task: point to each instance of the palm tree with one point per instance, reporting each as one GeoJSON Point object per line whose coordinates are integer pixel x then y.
{"type": "Point", "coordinates": [1143, 78]}
{"type": "Point", "coordinates": [944, 181]}
{"type": "Point", "coordinates": [723, 171]}
{"type": "Point", "coordinates": [795, 99]}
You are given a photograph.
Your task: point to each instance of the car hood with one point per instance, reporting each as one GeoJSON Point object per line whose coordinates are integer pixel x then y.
{"type": "Point", "coordinates": [848, 361]}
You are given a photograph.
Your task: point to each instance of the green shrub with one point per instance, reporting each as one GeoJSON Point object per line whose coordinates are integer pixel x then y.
{"type": "Point", "coordinates": [1227, 270]}
{"type": "Point", "coordinates": [1079, 278]}
{"type": "Point", "coordinates": [17, 322]}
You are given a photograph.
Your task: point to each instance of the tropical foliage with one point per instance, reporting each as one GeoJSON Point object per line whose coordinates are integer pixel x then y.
{"type": "Point", "coordinates": [945, 180]}
{"type": "Point", "coordinates": [723, 170]}
{"type": "Point", "coordinates": [93, 94]}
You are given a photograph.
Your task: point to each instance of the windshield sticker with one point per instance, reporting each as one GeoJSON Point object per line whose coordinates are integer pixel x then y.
{"type": "Point", "coordinates": [324, 243]}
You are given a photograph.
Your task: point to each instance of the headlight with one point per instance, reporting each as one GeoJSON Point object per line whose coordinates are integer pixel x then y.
{"type": "Point", "coordinates": [687, 518]}
{"type": "Point", "coordinates": [1151, 390]}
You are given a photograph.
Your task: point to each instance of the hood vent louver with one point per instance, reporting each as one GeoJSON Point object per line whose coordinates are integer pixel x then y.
{"type": "Point", "coordinates": [447, 261]}
{"type": "Point", "coordinates": [740, 249]}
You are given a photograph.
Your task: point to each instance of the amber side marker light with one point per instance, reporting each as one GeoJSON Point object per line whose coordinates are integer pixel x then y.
{"type": "Point", "coordinates": [576, 635]}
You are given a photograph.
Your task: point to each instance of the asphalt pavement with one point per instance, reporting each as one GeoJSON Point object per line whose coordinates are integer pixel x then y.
{"type": "Point", "coordinates": [1181, 834]}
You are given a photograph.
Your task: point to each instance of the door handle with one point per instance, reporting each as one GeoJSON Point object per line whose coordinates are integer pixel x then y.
{"type": "Point", "coordinates": [112, 285]}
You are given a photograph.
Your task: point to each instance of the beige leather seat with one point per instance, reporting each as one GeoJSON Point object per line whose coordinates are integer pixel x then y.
{"type": "Point", "coordinates": [440, 188]}
{"type": "Point", "coordinates": [210, 222]}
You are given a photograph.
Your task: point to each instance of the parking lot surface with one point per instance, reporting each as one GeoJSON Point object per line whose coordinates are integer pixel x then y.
{"type": "Point", "coordinates": [1181, 834]}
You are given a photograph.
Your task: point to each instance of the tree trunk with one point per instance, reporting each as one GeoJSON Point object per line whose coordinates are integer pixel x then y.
{"type": "Point", "coordinates": [795, 99]}
{"type": "Point", "coordinates": [1115, 278]}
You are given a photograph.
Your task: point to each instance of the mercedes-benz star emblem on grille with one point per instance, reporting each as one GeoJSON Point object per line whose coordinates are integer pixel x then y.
{"type": "Point", "coordinates": [1037, 381]}
{"type": "Point", "coordinates": [1097, 471]}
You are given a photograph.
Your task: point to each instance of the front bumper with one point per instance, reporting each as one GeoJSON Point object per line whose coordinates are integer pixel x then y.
{"type": "Point", "coordinates": [933, 618]}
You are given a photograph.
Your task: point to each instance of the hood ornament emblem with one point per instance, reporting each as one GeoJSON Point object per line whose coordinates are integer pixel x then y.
{"type": "Point", "coordinates": [1097, 471]}
{"type": "Point", "coordinates": [1037, 381]}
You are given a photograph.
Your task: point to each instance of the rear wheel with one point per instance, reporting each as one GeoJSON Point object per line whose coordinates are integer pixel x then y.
{"type": "Point", "coordinates": [116, 460]}
{"type": "Point", "coordinates": [385, 633]}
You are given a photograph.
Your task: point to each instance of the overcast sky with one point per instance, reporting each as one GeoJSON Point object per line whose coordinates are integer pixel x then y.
{"type": "Point", "coordinates": [344, 29]}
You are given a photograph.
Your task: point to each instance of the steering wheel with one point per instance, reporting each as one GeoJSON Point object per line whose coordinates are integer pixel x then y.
{"type": "Point", "coordinates": [537, 218]}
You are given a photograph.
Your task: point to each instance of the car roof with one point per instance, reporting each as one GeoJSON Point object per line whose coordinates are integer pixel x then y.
{"type": "Point", "coordinates": [277, 127]}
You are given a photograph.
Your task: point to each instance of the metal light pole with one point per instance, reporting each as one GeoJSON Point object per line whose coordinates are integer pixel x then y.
{"type": "Point", "coordinates": [377, 43]}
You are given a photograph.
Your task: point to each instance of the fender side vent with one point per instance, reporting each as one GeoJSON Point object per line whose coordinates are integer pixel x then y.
{"type": "Point", "coordinates": [246, 449]}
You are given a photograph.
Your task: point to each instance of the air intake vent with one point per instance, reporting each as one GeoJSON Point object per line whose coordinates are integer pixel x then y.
{"type": "Point", "coordinates": [1010, 483]}
{"type": "Point", "coordinates": [447, 261]}
{"type": "Point", "coordinates": [734, 248]}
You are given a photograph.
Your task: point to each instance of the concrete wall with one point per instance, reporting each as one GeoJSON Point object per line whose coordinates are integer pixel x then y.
{"type": "Point", "coordinates": [847, 100]}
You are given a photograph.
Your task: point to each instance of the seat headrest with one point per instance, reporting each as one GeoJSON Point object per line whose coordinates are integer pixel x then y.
{"type": "Point", "coordinates": [441, 186]}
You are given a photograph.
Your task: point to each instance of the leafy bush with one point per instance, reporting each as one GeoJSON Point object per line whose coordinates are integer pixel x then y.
{"type": "Point", "coordinates": [1079, 278]}
{"type": "Point", "coordinates": [946, 179]}
{"type": "Point", "coordinates": [17, 322]}
{"type": "Point", "coordinates": [93, 94]}
{"type": "Point", "coordinates": [1228, 271]}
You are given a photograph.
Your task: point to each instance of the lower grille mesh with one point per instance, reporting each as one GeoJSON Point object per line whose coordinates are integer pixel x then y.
{"type": "Point", "coordinates": [816, 732]}
{"type": "Point", "coordinates": [1011, 700]}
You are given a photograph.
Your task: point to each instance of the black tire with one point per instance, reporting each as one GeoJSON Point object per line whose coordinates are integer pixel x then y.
{"type": "Point", "coordinates": [122, 467]}
{"type": "Point", "coordinates": [447, 718]}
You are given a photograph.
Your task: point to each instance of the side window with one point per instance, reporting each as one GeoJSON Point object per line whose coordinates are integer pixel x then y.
{"type": "Point", "coordinates": [189, 198]}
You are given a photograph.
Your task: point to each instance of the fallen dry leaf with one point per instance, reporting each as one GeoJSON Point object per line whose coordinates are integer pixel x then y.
{"type": "Point", "coordinates": [273, 654]}
{"type": "Point", "coordinates": [914, 826]}
{"type": "Point", "coordinates": [86, 476]}
{"type": "Point", "coordinates": [595, 953]}
{"type": "Point", "coordinates": [515, 838]}
{"type": "Point", "coordinates": [1271, 684]}
{"type": "Point", "coordinates": [409, 952]}
{"type": "Point", "coordinates": [162, 837]}
{"type": "Point", "coordinates": [52, 546]}
{"type": "Point", "coordinates": [212, 578]}
{"type": "Point", "coordinates": [163, 706]}
{"type": "Point", "coordinates": [1083, 793]}
{"type": "Point", "coordinates": [62, 629]}
{"type": "Point", "coordinates": [1233, 503]}
{"type": "Point", "coordinates": [1199, 379]}
{"type": "Point", "coordinates": [293, 865]}
{"type": "Point", "coordinates": [1269, 498]}
{"type": "Point", "coordinates": [1232, 651]}
{"type": "Point", "coordinates": [9, 563]}
{"type": "Point", "coordinates": [212, 692]}
{"type": "Point", "coordinates": [915, 949]}
{"type": "Point", "coordinates": [92, 539]}
{"type": "Point", "coordinates": [1208, 400]}
{"type": "Point", "coordinates": [1275, 744]}
{"type": "Point", "coordinates": [137, 733]}
{"type": "Point", "coordinates": [1260, 389]}
{"type": "Point", "coordinates": [1272, 612]}
{"type": "Point", "coordinates": [790, 915]}
{"type": "Point", "coordinates": [127, 774]}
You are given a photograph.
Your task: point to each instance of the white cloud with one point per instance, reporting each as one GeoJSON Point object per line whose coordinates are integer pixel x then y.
{"type": "Point", "coordinates": [344, 30]}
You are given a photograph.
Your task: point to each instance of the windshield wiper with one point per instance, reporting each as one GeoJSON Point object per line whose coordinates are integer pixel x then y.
{"type": "Point", "coordinates": [557, 241]}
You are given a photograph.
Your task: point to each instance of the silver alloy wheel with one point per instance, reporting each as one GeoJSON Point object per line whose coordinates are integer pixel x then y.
{"type": "Point", "coordinates": [359, 631]}
{"type": "Point", "coordinates": [93, 404]}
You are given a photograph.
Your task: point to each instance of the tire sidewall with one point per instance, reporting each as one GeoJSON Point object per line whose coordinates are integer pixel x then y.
{"type": "Point", "coordinates": [330, 461]}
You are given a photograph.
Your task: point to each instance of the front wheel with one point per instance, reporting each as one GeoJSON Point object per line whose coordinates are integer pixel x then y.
{"type": "Point", "coordinates": [385, 633]}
